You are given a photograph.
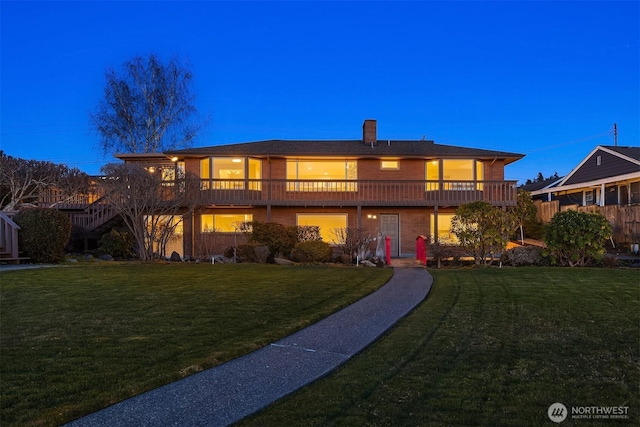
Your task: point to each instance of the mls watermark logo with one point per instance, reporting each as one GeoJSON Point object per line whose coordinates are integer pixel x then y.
{"type": "Point", "coordinates": [557, 412]}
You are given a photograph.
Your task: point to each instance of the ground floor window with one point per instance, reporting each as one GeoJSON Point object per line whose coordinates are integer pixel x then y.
{"type": "Point", "coordinates": [165, 233]}
{"type": "Point", "coordinates": [224, 223]}
{"type": "Point", "coordinates": [445, 236]}
{"type": "Point", "coordinates": [326, 222]}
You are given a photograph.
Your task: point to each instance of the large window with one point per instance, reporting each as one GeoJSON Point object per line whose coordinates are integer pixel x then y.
{"type": "Point", "coordinates": [327, 223]}
{"type": "Point", "coordinates": [230, 173]}
{"type": "Point", "coordinates": [166, 232]}
{"type": "Point", "coordinates": [317, 175]}
{"type": "Point", "coordinates": [457, 174]}
{"type": "Point", "coordinates": [225, 223]}
{"type": "Point", "coordinates": [444, 233]}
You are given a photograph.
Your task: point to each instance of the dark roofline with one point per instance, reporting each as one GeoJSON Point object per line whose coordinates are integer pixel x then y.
{"type": "Point", "coordinates": [346, 148]}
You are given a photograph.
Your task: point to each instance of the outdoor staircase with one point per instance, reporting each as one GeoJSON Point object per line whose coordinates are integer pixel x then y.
{"type": "Point", "coordinates": [9, 252]}
{"type": "Point", "coordinates": [96, 218]}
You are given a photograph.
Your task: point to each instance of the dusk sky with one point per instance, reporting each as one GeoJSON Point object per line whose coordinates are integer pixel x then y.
{"type": "Point", "coordinates": [545, 79]}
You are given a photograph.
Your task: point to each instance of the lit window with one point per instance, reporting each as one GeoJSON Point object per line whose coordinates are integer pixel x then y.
{"type": "Point", "coordinates": [255, 173]}
{"type": "Point", "coordinates": [389, 164]}
{"type": "Point", "coordinates": [316, 175]}
{"type": "Point", "coordinates": [433, 175]}
{"type": "Point", "coordinates": [445, 235]}
{"type": "Point", "coordinates": [327, 223]}
{"type": "Point", "coordinates": [457, 174]}
{"type": "Point", "coordinates": [229, 173]}
{"type": "Point", "coordinates": [205, 173]}
{"type": "Point", "coordinates": [224, 223]}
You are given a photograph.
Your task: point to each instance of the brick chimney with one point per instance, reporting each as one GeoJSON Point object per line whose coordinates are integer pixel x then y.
{"type": "Point", "coordinates": [369, 132]}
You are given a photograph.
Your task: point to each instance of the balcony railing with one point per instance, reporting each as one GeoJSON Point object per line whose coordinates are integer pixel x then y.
{"type": "Point", "coordinates": [356, 192]}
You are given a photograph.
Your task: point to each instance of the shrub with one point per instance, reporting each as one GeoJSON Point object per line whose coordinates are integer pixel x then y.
{"type": "Point", "coordinates": [312, 251]}
{"type": "Point", "coordinates": [228, 253]}
{"type": "Point", "coordinates": [481, 229]}
{"type": "Point", "coordinates": [277, 237]}
{"type": "Point", "coordinates": [576, 238]}
{"type": "Point", "coordinates": [534, 230]}
{"type": "Point", "coordinates": [116, 244]}
{"type": "Point", "coordinates": [524, 255]}
{"type": "Point", "coordinates": [308, 232]}
{"type": "Point", "coordinates": [44, 233]}
{"type": "Point", "coordinates": [253, 252]}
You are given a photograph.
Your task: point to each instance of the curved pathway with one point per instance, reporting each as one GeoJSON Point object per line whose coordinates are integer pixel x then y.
{"type": "Point", "coordinates": [229, 392]}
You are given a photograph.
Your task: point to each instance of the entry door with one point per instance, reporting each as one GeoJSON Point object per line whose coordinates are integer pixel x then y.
{"type": "Point", "coordinates": [390, 226]}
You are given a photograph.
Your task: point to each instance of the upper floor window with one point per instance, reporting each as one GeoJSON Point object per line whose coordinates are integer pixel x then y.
{"type": "Point", "coordinates": [318, 174]}
{"type": "Point", "coordinates": [389, 164]}
{"type": "Point", "coordinates": [172, 172]}
{"type": "Point", "coordinates": [230, 172]}
{"type": "Point", "coordinates": [456, 174]}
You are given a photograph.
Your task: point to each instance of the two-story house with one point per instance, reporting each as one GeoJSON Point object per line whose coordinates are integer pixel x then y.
{"type": "Point", "coordinates": [401, 189]}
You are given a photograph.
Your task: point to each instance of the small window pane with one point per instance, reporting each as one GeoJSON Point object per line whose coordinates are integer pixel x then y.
{"type": "Point", "coordinates": [389, 164]}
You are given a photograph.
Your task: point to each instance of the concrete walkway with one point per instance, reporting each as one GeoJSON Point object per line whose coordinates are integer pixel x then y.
{"type": "Point", "coordinates": [234, 390]}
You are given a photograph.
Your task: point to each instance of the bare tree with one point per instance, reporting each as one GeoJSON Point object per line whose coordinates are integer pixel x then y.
{"type": "Point", "coordinates": [24, 182]}
{"type": "Point", "coordinates": [354, 242]}
{"type": "Point", "coordinates": [147, 108]}
{"type": "Point", "coordinates": [150, 205]}
{"type": "Point", "coordinates": [525, 210]}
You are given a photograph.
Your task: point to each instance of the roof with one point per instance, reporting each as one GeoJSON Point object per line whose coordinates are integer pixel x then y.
{"type": "Point", "coordinates": [539, 185]}
{"type": "Point", "coordinates": [604, 165]}
{"type": "Point", "coordinates": [631, 152]}
{"type": "Point", "coordinates": [346, 148]}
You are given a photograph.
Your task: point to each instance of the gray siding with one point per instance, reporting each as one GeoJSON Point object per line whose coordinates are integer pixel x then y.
{"type": "Point", "coordinates": [610, 166]}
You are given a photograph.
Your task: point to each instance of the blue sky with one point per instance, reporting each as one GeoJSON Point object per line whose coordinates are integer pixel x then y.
{"type": "Point", "coordinates": [545, 79]}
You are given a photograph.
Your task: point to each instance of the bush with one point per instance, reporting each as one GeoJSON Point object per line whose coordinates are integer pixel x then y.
{"type": "Point", "coordinates": [482, 229]}
{"type": "Point", "coordinates": [229, 252]}
{"type": "Point", "coordinates": [576, 238]}
{"type": "Point", "coordinates": [116, 244]}
{"type": "Point", "coordinates": [524, 255]}
{"type": "Point", "coordinates": [534, 230]}
{"type": "Point", "coordinates": [253, 252]}
{"type": "Point", "coordinates": [308, 232]}
{"type": "Point", "coordinates": [44, 233]}
{"type": "Point", "coordinates": [312, 251]}
{"type": "Point", "coordinates": [277, 237]}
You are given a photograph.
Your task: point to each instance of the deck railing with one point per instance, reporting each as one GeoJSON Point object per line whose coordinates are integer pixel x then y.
{"type": "Point", "coordinates": [356, 192]}
{"type": "Point", "coordinates": [8, 236]}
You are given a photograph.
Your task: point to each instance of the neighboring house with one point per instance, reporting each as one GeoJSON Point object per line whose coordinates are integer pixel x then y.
{"type": "Point", "coordinates": [607, 176]}
{"type": "Point", "coordinates": [402, 189]}
{"type": "Point", "coordinates": [606, 181]}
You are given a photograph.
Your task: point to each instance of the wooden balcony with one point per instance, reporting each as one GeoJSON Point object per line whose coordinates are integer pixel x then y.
{"type": "Point", "coordinates": [356, 192]}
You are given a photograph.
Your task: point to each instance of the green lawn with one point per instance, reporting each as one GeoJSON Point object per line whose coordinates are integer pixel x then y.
{"type": "Point", "coordinates": [490, 347]}
{"type": "Point", "coordinates": [76, 339]}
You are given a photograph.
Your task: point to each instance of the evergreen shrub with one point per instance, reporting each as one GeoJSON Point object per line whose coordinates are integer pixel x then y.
{"type": "Point", "coordinates": [312, 251]}
{"type": "Point", "coordinates": [44, 234]}
{"type": "Point", "coordinates": [117, 244]}
{"type": "Point", "coordinates": [524, 255]}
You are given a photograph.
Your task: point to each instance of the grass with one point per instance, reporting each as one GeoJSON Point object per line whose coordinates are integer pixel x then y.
{"type": "Point", "coordinates": [76, 339]}
{"type": "Point", "coordinates": [490, 347]}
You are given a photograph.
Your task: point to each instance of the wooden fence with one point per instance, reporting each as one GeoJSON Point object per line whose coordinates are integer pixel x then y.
{"type": "Point", "coordinates": [625, 220]}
